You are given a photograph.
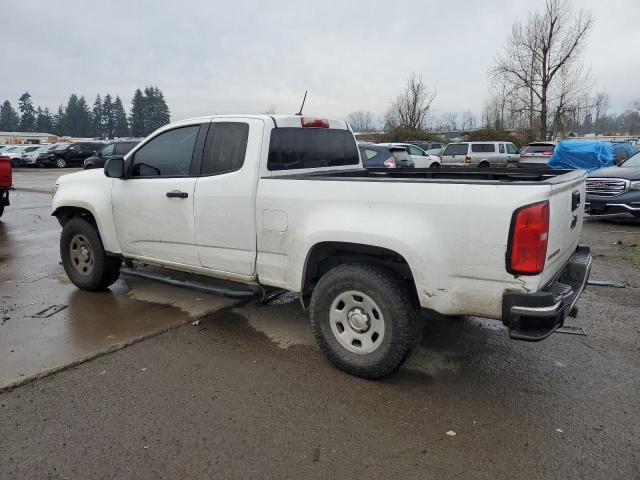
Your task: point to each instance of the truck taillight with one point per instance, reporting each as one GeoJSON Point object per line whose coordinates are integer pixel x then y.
{"type": "Point", "coordinates": [528, 238]}
{"type": "Point", "coordinates": [467, 159]}
{"type": "Point", "coordinates": [314, 122]}
{"type": "Point", "coordinates": [547, 154]}
{"type": "Point", "coordinates": [390, 162]}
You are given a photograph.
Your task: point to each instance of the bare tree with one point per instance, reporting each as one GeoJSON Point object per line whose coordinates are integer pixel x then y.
{"type": "Point", "coordinates": [409, 109]}
{"type": "Point", "coordinates": [361, 121]}
{"type": "Point", "coordinates": [537, 51]}
{"type": "Point", "coordinates": [468, 120]}
{"type": "Point", "coordinates": [450, 121]}
{"type": "Point", "coordinates": [600, 108]}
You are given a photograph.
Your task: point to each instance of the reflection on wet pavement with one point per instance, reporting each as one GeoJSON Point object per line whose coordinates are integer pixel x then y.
{"type": "Point", "coordinates": [32, 280]}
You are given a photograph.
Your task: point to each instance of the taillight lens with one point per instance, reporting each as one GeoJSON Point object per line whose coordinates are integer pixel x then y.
{"type": "Point", "coordinates": [390, 162]}
{"type": "Point", "coordinates": [547, 154]}
{"type": "Point", "coordinates": [314, 122]}
{"type": "Point", "coordinates": [467, 159]}
{"type": "Point", "coordinates": [528, 239]}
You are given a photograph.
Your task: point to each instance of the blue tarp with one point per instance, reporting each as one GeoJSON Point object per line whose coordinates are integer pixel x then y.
{"type": "Point", "coordinates": [582, 155]}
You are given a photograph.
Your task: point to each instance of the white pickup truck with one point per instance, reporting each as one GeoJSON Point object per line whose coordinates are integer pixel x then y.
{"type": "Point", "coordinates": [283, 202]}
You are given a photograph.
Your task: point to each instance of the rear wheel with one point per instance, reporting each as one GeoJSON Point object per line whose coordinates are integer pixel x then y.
{"type": "Point", "coordinates": [364, 320]}
{"type": "Point", "coordinates": [61, 162]}
{"type": "Point", "coordinates": [1, 210]}
{"type": "Point", "coordinates": [83, 257]}
{"type": "Point", "coordinates": [483, 165]}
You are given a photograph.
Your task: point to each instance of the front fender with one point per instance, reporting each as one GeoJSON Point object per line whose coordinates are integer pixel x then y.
{"type": "Point", "coordinates": [89, 190]}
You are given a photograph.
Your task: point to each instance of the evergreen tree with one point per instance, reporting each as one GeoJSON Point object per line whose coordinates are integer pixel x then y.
{"type": "Point", "coordinates": [83, 118]}
{"type": "Point", "coordinates": [44, 121]}
{"type": "Point", "coordinates": [9, 119]}
{"type": "Point", "coordinates": [108, 116]}
{"type": "Point", "coordinates": [120, 125]}
{"type": "Point", "coordinates": [97, 118]}
{"type": "Point", "coordinates": [28, 113]}
{"type": "Point", "coordinates": [58, 121]}
{"type": "Point", "coordinates": [138, 112]}
{"type": "Point", "coordinates": [161, 114]}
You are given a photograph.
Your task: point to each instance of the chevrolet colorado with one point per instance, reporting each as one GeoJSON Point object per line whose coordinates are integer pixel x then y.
{"type": "Point", "coordinates": [283, 201]}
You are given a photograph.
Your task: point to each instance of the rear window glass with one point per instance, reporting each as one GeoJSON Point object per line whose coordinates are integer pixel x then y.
{"type": "Point", "coordinates": [483, 147]}
{"type": "Point", "coordinates": [538, 149]}
{"type": "Point", "coordinates": [297, 148]}
{"type": "Point", "coordinates": [225, 147]}
{"type": "Point", "coordinates": [456, 149]}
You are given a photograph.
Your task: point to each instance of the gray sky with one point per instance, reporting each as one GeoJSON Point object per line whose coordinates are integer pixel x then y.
{"type": "Point", "coordinates": [242, 56]}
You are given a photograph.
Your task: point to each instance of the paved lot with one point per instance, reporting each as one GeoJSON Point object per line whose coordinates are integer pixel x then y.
{"type": "Point", "coordinates": [246, 394]}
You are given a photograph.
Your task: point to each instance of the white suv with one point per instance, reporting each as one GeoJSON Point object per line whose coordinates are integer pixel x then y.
{"type": "Point", "coordinates": [480, 154]}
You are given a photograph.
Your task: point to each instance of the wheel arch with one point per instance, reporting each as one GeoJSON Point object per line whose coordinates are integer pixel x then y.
{"type": "Point", "coordinates": [324, 256]}
{"type": "Point", "coordinates": [65, 213]}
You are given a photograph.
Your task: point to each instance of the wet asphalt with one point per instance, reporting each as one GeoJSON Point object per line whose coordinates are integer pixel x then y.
{"type": "Point", "coordinates": [246, 393]}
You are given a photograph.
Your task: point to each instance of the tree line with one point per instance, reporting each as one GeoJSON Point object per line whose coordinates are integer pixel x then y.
{"type": "Point", "coordinates": [107, 118]}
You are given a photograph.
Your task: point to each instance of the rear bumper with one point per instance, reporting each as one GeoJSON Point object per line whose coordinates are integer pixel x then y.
{"type": "Point", "coordinates": [534, 316]}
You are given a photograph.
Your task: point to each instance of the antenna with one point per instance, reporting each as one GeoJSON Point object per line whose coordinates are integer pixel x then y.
{"type": "Point", "coordinates": [302, 106]}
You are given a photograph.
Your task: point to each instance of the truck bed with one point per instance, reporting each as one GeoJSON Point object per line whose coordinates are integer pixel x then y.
{"type": "Point", "coordinates": [438, 175]}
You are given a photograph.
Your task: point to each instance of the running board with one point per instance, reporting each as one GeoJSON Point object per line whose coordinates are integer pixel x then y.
{"type": "Point", "coordinates": [224, 292]}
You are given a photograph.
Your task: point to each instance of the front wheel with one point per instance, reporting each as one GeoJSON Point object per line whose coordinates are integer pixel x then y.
{"type": "Point", "coordinates": [364, 320]}
{"type": "Point", "coordinates": [83, 257]}
{"type": "Point", "coordinates": [434, 165]}
{"type": "Point", "coordinates": [61, 162]}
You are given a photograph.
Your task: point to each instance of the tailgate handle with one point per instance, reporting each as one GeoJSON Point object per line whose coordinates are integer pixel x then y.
{"type": "Point", "coordinates": [575, 200]}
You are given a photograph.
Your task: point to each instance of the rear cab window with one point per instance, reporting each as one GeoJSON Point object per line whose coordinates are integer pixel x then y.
{"type": "Point", "coordinates": [456, 149]}
{"type": "Point", "coordinates": [539, 148]}
{"type": "Point", "coordinates": [293, 148]}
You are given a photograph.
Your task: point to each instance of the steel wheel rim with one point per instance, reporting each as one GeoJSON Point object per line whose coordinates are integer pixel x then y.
{"type": "Point", "coordinates": [81, 254]}
{"type": "Point", "coordinates": [356, 322]}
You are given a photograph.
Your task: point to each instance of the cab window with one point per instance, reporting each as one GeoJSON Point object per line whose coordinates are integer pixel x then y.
{"type": "Point", "coordinates": [512, 149]}
{"type": "Point", "coordinates": [225, 147]}
{"type": "Point", "coordinates": [501, 147]}
{"type": "Point", "coordinates": [167, 155]}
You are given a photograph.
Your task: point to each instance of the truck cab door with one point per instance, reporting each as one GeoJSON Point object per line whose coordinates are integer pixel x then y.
{"type": "Point", "coordinates": [153, 206]}
{"type": "Point", "coordinates": [502, 155]}
{"type": "Point", "coordinates": [225, 196]}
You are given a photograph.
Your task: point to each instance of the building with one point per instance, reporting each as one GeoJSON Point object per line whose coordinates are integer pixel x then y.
{"type": "Point", "coordinates": [17, 138]}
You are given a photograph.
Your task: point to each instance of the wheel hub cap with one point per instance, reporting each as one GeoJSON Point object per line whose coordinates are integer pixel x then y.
{"type": "Point", "coordinates": [358, 320]}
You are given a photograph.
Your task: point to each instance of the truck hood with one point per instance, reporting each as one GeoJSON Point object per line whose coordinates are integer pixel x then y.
{"type": "Point", "coordinates": [628, 173]}
{"type": "Point", "coordinates": [82, 176]}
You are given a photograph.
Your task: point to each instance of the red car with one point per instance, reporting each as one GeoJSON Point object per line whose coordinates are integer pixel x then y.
{"type": "Point", "coordinates": [6, 182]}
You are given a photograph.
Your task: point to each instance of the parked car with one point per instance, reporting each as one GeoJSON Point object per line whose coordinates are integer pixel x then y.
{"type": "Point", "coordinates": [282, 201]}
{"type": "Point", "coordinates": [421, 159]}
{"type": "Point", "coordinates": [480, 154]}
{"type": "Point", "coordinates": [73, 154]}
{"type": "Point", "coordinates": [6, 182]}
{"type": "Point", "coordinates": [615, 190]}
{"type": "Point", "coordinates": [536, 154]}
{"type": "Point", "coordinates": [110, 150]}
{"type": "Point", "coordinates": [30, 155]}
{"type": "Point", "coordinates": [46, 158]}
{"type": "Point", "coordinates": [427, 145]}
{"type": "Point", "coordinates": [15, 154]}
{"type": "Point", "coordinates": [384, 156]}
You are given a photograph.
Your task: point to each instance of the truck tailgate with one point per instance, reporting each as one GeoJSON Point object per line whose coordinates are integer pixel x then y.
{"type": "Point", "coordinates": [566, 206]}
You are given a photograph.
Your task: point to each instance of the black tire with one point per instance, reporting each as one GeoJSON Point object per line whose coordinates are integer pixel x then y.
{"type": "Point", "coordinates": [484, 165]}
{"type": "Point", "coordinates": [101, 270]}
{"type": "Point", "coordinates": [435, 165]}
{"type": "Point", "coordinates": [1, 210]}
{"type": "Point", "coordinates": [390, 295]}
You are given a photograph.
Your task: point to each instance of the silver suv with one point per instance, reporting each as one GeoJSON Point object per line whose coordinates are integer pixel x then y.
{"type": "Point", "coordinates": [480, 154]}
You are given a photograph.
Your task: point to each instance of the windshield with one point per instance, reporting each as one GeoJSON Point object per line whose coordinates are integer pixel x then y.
{"type": "Point", "coordinates": [456, 149]}
{"type": "Point", "coordinates": [633, 161]}
{"type": "Point", "coordinates": [538, 149]}
{"type": "Point", "coordinates": [30, 149]}
{"type": "Point", "coordinates": [12, 149]}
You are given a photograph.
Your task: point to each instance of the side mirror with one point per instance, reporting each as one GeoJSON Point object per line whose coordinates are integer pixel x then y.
{"type": "Point", "coordinates": [114, 168]}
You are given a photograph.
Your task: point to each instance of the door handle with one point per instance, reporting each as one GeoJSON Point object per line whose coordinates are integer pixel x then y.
{"type": "Point", "coordinates": [177, 194]}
